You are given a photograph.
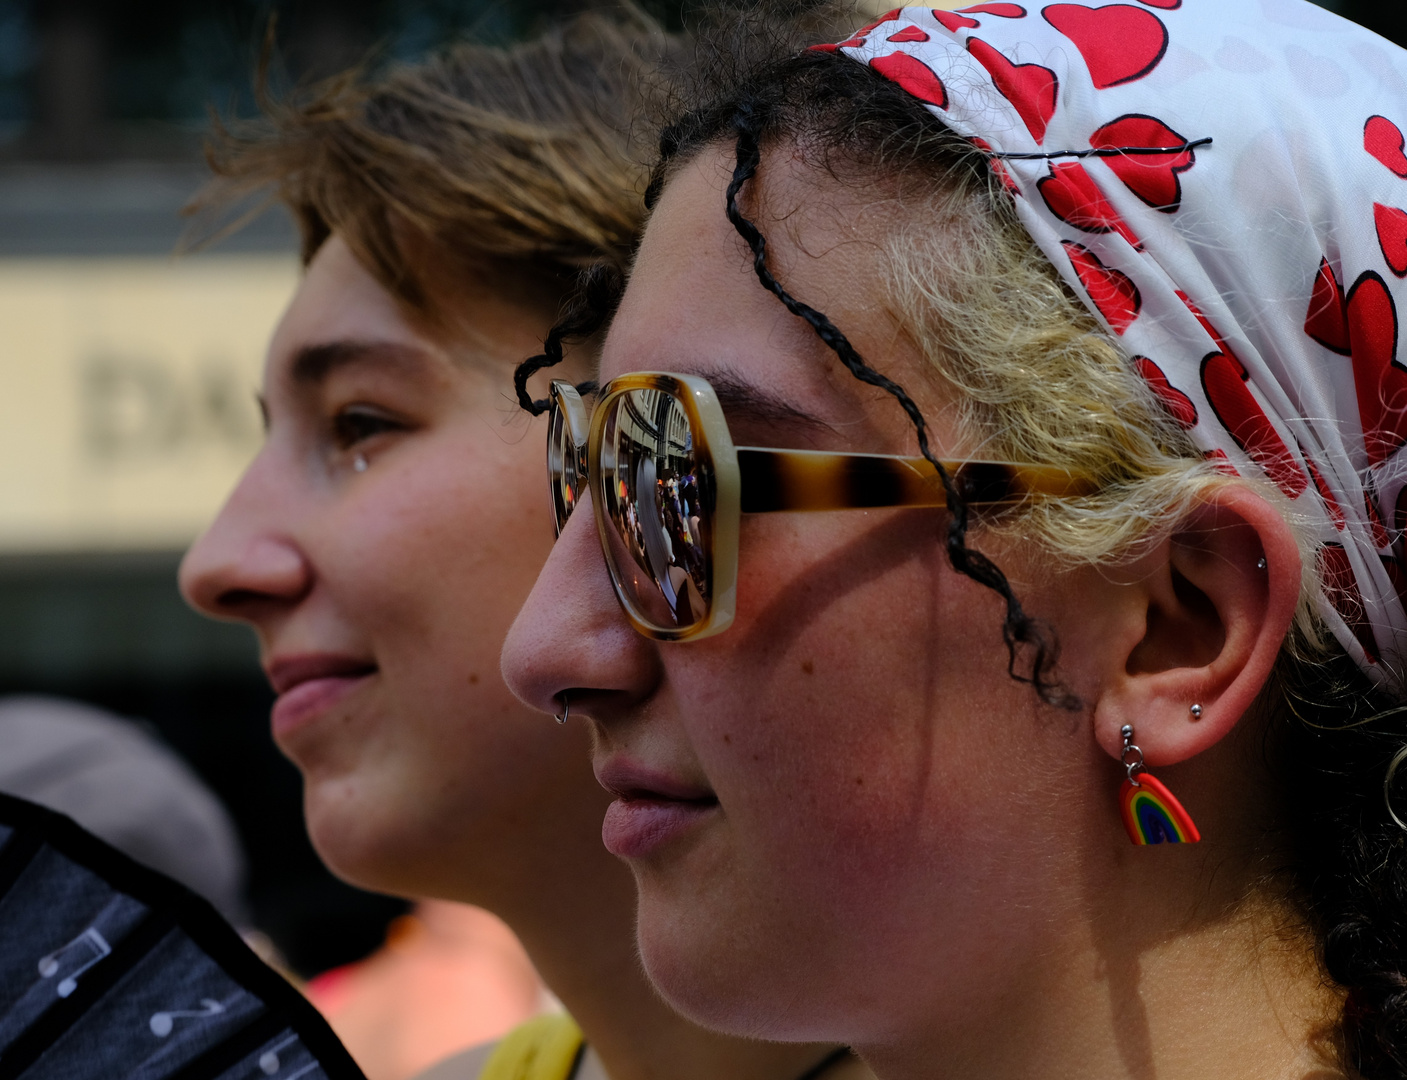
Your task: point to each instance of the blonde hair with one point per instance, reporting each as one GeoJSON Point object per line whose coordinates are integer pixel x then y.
{"type": "Point", "coordinates": [523, 157]}
{"type": "Point", "coordinates": [1038, 379]}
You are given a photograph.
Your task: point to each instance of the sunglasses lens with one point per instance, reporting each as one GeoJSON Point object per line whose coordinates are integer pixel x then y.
{"type": "Point", "coordinates": [563, 472]}
{"type": "Point", "coordinates": [658, 501]}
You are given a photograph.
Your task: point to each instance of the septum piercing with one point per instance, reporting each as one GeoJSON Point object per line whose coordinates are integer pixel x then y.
{"type": "Point", "coordinates": [1196, 712]}
{"type": "Point", "coordinates": [359, 463]}
{"type": "Point", "coordinates": [566, 710]}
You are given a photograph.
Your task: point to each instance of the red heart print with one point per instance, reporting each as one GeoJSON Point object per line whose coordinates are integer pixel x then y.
{"type": "Point", "coordinates": [1206, 323]}
{"type": "Point", "coordinates": [1152, 177]}
{"type": "Point", "coordinates": [1392, 236]}
{"type": "Point", "coordinates": [909, 33]}
{"type": "Point", "coordinates": [1032, 90]}
{"type": "Point", "coordinates": [1380, 381]}
{"type": "Point", "coordinates": [858, 37]}
{"type": "Point", "coordinates": [1225, 381]}
{"type": "Point", "coordinates": [997, 165]}
{"type": "Point", "coordinates": [1120, 43]}
{"type": "Point", "coordinates": [955, 22]}
{"type": "Point", "coordinates": [1113, 292]}
{"type": "Point", "coordinates": [1075, 199]}
{"type": "Point", "coordinates": [1335, 511]}
{"type": "Point", "coordinates": [1341, 588]}
{"type": "Point", "coordinates": [1220, 462]}
{"type": "Point", "coordinates": [912, 76]}
{"type": "Point", "coordinates": [1005, 11]}
{"type": "Point", "coordinates": [1383, 139]}
{"type": "Point", "coordinates": [1327, 321]}
{"type": "Point", "coordinates": [1178, 404]}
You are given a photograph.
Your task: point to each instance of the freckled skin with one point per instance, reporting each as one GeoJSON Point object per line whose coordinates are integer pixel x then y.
{"type": "Point", "coordinates": [910, 853]}
{"type": "Point", "coordinates": [417, 565]}
{"type": "Point", "coordinates": [431, 779]}
{"type": "Point", "coordinates": [856, 721]}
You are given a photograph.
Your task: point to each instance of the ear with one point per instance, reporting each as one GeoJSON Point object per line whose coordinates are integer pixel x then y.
{"type": "Point", "coordinates": [1215, 622]}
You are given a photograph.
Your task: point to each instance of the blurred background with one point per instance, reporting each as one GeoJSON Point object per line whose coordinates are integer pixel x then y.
{"type": "Point", "coordinates": [127, 380]}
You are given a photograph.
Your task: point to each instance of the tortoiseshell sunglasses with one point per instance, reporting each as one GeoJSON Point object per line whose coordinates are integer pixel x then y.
{"type": "Point", "coordinates": [668, 484]}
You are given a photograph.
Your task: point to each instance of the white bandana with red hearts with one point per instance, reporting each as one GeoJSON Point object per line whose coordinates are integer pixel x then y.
{"type": "Point", "coordinates": [1223, 182]}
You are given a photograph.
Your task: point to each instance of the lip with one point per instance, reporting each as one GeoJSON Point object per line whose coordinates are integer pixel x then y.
{"type": "Point", "coordinates": [310, 684]}
{"type": "Point", "coordinates": [651, 809]}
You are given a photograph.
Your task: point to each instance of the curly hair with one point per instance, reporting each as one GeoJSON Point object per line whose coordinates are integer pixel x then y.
{"type": "Point", "coordinates": [1040, 380]}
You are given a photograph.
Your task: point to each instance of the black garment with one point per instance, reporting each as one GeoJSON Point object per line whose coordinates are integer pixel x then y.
{"type": "Point", "coordinates": [109, 969]}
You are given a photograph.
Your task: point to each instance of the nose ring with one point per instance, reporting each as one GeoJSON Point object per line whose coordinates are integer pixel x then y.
{"type": "Point", "coordinates": [566, 709]}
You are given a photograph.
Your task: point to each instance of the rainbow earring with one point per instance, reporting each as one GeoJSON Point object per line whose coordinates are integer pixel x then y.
{"type": "Point", "coordinates": [1151, 813]}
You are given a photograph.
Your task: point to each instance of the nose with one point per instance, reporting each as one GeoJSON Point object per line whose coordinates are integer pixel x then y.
{"type": "Point", "coordinates": [571, 641]}
{"type": "Point", "coordinates": [248, 564]}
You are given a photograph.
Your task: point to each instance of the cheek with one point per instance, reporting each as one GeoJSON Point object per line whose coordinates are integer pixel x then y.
{"type": "Point", "coordinates": [449, 542]}
{"type": "Point", "coordinates": [834, 713]}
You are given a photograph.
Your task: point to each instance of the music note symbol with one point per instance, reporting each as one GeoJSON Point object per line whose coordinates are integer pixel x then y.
{"type": "Point", "coordinates": [269, 1063]}
{"type": "Point", "coordinates": [163, 1022]}
{"type": "Point", "coordinates": [97, 947]}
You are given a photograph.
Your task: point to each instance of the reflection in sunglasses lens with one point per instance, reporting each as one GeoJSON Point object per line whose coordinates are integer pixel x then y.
{"type": "Point", "coordinates": [660, 506]}
{"type": "Point", "coordinates": [562, 467]}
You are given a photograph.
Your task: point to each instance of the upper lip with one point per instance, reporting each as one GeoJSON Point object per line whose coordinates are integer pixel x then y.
{"type": "Point", "coordinates": [631, 780]}
{"type": "Point", "coordinates": [286, 672]}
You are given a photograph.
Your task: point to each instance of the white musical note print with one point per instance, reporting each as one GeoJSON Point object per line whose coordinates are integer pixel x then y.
{"type": "Point", "coordinates": [90, 942]}
{"type": "Point", "coordinates": [269, 1063]}
{"type": "Point", "coordinates": [268, 1060]}
{"type": "Point", "coordinates": [162, 1023]}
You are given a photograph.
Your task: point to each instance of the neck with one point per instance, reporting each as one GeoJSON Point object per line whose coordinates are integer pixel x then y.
{"type": "Point", "coordinates": [1212, 999]}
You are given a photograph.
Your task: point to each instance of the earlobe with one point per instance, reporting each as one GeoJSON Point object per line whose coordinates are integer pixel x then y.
{"type": "Point", "coordinates": [1220, 596]}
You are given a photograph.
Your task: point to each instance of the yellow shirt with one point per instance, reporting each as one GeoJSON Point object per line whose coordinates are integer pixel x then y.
{"type": "Point", "coordinates": [545, 1048]}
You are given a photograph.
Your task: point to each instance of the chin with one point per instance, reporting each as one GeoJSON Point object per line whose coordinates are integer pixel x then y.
{"type": "Point", "coordinates": [729, 981]}
{"type": "Point", "coordinates": [358, 840]}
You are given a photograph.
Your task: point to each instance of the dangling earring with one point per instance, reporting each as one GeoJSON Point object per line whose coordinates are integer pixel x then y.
{"type": "Point", "coordinates": [1152, 814]}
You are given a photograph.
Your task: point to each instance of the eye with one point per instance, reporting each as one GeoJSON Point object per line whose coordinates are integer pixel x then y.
{"type": "Point", "coordinates": [357, 423]}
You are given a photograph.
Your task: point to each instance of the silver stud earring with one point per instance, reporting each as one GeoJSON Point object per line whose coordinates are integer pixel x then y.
{"type": "Point", "coordinates": [1260, 563]}
{"type": "Point", "coordinates": [1196, 712]}
{"type": "Point", "coordinates": [359, 463]}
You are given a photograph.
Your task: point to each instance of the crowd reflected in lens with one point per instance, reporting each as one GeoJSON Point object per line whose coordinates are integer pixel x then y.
{"type": "Point", "coordinates": [659, 503]}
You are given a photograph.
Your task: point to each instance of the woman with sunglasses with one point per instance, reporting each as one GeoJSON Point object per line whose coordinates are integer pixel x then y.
{"type": "Point", "coordinates": [392, 523]}
{"type": "Point", "coordinates": [1024, 696]}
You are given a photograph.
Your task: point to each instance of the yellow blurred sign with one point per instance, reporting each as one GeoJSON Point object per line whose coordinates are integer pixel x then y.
{"type": "Point", "coordinates": [127, 406]}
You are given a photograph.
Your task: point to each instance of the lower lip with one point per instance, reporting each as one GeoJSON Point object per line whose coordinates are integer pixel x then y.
{"type": "Point", "coordinates": [636, 828]}
{"type": "Point", "coordinates": [304, 703]}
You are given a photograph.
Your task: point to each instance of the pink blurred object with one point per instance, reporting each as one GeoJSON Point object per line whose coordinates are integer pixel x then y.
{"type": "Point", "coordinates": [449, 976]}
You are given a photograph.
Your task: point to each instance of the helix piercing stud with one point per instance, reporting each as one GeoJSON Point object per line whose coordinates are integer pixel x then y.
{"type": "Point", "coordinates": [566, 710]}
{"type": "Point", "coordinates": [359, 463]}
{"type": "Point", "coordinates": [1196, 712]}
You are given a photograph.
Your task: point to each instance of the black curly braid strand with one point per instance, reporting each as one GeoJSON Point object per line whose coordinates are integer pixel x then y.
{"type": "Point", "coordinates": [587, 312]}
{"type": "Point", "coordinates": [1019, 629]}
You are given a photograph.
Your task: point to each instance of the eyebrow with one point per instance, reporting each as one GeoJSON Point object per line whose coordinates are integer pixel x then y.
{"type": "Point", "coordinates": [312, 364]}
{"type": "Point", "coordinates": [743, 400]}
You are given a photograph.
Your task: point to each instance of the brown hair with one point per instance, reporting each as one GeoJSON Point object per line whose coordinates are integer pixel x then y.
{"type": "Point", "coordinates": [519, 156]}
